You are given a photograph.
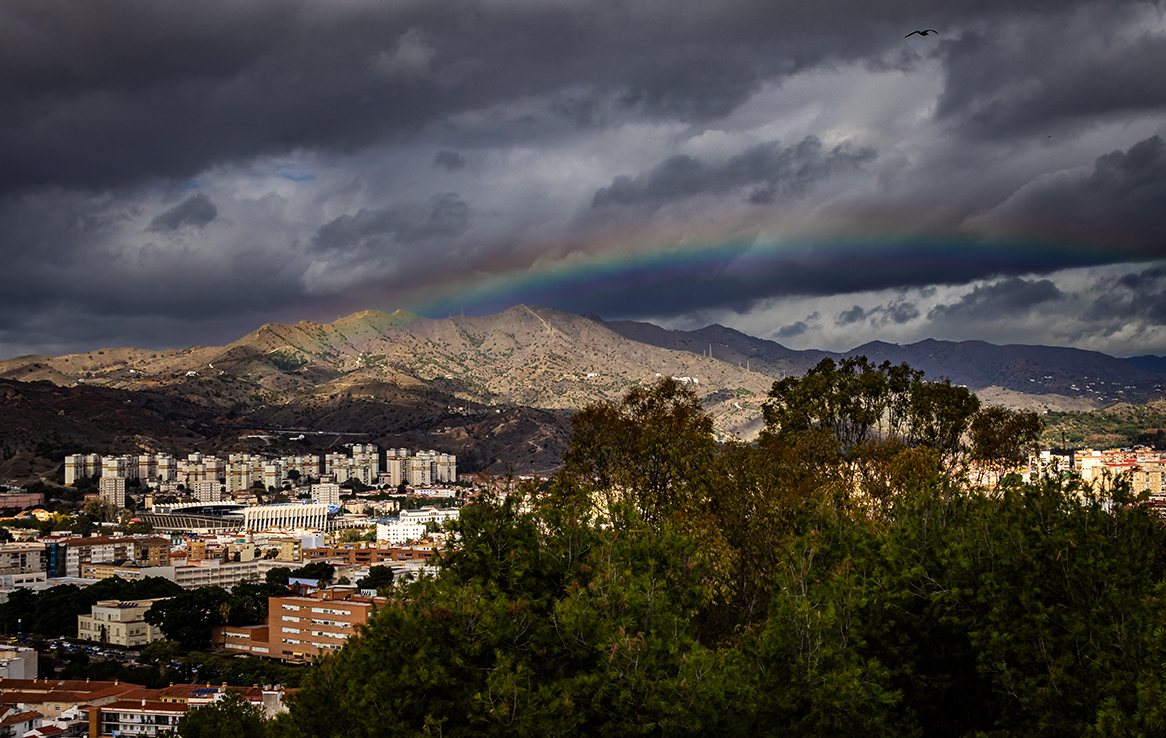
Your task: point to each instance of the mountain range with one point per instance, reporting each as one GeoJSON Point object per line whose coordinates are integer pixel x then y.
{"type": "Point", "coordinates": [496, 390]}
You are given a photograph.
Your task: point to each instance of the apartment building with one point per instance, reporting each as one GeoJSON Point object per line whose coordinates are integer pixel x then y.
{"type": "Point", "coordinates": [299, 628]}
{"type": "Point", "coordinates": [113, 491]}
{"type": "Point", "coordinates": [326, 494]}
{"type": "Point", "coordinates": [120, 623]}
{"type": "Point", "coordinates": [85, 552]}
{"type": "Point", "coordinates": [136, 717]}
{"type": "Point", "coordinates": [18, 662]}
{"type": "Point", "coordinates": [412, 525]}
{"type": "Point", "coordinates": [82, 552]}
{"type": "Point", "coordinates": [29, 557]}
{"type": "Point", "coordinates": [367, 555]}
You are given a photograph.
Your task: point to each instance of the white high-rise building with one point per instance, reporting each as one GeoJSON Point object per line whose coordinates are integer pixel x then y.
{"type": "Point", "coordinates": [326, 494]}
{"type": "Point", "coordinates": [113, 491]}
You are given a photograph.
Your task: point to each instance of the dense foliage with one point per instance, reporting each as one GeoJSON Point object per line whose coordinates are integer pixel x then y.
{"type": "Point", "coordinates": [53, 612]}
{"type": "Point", "coordinates": [809, 584]}
{"type": "Point", "coordinates": [189, 617]}
{"type": "Point", "coordinates": [230, 717]}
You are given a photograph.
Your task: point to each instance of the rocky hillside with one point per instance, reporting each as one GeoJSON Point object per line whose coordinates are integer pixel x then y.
{"type": "Point", "coordinates": [1044, 377]}
{"type": "Point", "coordinates": [497, 390]}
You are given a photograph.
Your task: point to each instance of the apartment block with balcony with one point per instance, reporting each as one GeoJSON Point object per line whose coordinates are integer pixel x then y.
{"type": "Point", "coordinates": [299, 628]}
{"type": "Point", "coordinates": [119, 623]}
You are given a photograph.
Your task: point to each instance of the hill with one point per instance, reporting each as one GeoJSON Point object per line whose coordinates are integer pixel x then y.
{"type": "Point", "coordinates": [1046, 377]}
{"type": "Point", "coordinates": [497, 390]}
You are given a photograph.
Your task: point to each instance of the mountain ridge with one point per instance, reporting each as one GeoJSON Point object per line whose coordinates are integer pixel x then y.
{"type": "Point", "coordinates": [384, 374]}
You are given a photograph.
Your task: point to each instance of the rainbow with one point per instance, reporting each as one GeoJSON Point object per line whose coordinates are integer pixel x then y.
{"type": "Point", "coordinates": [639, 275]}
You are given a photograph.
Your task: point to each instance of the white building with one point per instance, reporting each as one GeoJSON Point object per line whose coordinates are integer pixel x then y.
{"type": "Point", "coordinates": [113, 491]}
{"type": "Point", "coordinates": [411, 524]}
{"type": "Point", "coordinates": [121, 623]}
{"type": "Point", "coordinates": [326, 494]}
{"type": "Point", "coordinates": [290, 515]}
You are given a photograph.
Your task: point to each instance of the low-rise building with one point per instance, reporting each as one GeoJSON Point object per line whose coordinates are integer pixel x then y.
{"type": "Point", "coordinates": [53, 697]}
{"type": "Point", "coordinates": [120, 623]}
{"type": "Point", "coordinates": [299, 628]}
{"type": "Point", "coordinates": [18, 662]}
{"type": "Point", "coordinates": [17, 720]}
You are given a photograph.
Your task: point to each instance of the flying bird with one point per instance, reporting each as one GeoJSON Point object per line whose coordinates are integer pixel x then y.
{"type": "Point", "coordinates": [921, 33]}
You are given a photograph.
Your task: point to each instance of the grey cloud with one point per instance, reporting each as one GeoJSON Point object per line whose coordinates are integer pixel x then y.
{"type": "Point", "coordinates": [792, 330]}
{"type": "Point", "coordinates": [197, 211]}
{"type": "Point", "coordinates": [1018, 77]}
{"type": "Point", "coordinates": [1120, 200]}
{"type": "Point", "coordinates": [1003, 299]}
{"type": "Point", "coordinates": [128, 91]}
{"type": "Point", "coordinates": [901, 312]}
{"type": "Point", "coordinates": [1132, 297]}
{"type": "Point", "coordinates": [853, 315]}
{"type": "Point", "coordinates": [444, 216]}
{"type": "Point", "coordinates": [896, 312]}
{"type": "Point", "coordinates": [768, 168]}
{"type": "Point", "coordinates": [451, 161]}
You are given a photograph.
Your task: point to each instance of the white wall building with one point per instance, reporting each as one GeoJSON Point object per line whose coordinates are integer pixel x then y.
{"type": "Point", "coordinates": [290, 515]}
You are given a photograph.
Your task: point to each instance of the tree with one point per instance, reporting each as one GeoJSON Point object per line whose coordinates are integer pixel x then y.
{"type": "Point", "coordinates": [652, 451]}
{"type": "Point", "coordinates": [321, 571]}
{"type": "Point", "coordinates": [1001, 437]}
{"type": "Point", "coordinates": [938, 415]}
{"type": "Point", "coordinates": [379, 577]}
{"type": "Point", "coordinates": [231, 716]}
{"type": "Point", "coordinates": [100, 509]}
{"type": "Point", "coordinates": [578, 631]}
{"type": "Point", "coordinates": [851, 399]}
{"type": "Point", "coordinates": [278, 575]}
{"type": "Point", "coordinates": [188, 619]}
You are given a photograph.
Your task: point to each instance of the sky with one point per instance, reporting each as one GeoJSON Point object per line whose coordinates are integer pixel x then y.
{"type": "Point", "coordinates": [177, 173]}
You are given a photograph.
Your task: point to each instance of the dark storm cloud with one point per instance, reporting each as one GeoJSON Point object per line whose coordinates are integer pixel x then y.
{"type": "Point", "coordinates": [1120, 200]}
{"type": "Point", "coordinates": [197, 211]}
{"type": "Point", "coordinates": [119, 293]}
{"type": "Point", "coordinates": [1004, 299]}
{"type": "Point", "coordinates": [107, 109]}
{"type": "Point", "coordinates": [768, 169]}
{"type": "Point", "coordinates": [896, 312]}
{"type": "Point", "coordinates": [1134, 297]}
{"type": "Point", "coordinates": [445, 216]}
{"type": "Point", "coordinates": [792, 330]}
{"type": "Point", "coordinates": [853, 315]}
{"type": "Point", "coordinates": [451, 161]}
{"type": "Point", "coordinates": [99, 95]}
{"type": "Point", "coordinates": [1042, 76]}
{"type": "Point", "coordinates": [901, 312]}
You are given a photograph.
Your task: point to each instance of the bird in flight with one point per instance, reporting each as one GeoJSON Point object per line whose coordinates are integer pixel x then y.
{"type": "Point", "coordinates": [921, 33]}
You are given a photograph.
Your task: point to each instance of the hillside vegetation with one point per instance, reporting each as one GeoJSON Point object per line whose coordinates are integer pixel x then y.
{"type": "Point", "coordinates": [1118, 425]}
{"type": "Point", "coordinates": [816, 583]}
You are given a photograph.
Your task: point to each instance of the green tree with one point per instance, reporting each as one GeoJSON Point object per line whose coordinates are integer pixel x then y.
{"type": "Point", "coordinates": [653, 451]}
{"type": "Point", "coordinates": [278, 575]}
{"type": "Point", "coordinates": [231, 716]}
{"type": "Point", "coordinates": [536, 625]}
{"type": "Point", "coordinates": [1001, 437]}
{"type": "Point", "coordinates": [189, 618]}
{"type": "Point", "coordinates": [938, 414]}
{"type": "Point", "coordinates": [379, 577]}
{"type": "Point", "coordinates": [852, 399]}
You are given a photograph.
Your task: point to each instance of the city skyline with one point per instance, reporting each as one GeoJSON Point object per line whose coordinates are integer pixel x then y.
{"type": "Point", "coordinates": [172, 175]}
